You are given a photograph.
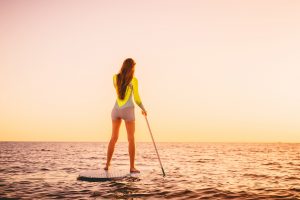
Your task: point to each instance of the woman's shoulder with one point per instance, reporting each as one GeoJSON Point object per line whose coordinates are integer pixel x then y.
{"type": "Point", "coordinates": [134, 79]}
{"type": "Point", "coordinates": [115, 77]}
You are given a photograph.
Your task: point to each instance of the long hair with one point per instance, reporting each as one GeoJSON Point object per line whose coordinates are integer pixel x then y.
{"type": "Point", "coordinates": [125, 76]}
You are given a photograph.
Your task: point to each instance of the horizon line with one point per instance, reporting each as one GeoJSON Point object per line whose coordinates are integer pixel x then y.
{"type": "Point", "coordinates": [151, 142]}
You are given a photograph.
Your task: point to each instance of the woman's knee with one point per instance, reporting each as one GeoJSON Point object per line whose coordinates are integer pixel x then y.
{"type": "Point", "coordinates": [114, 139]}
{"type": "Point", "coordinates": [130, 138]}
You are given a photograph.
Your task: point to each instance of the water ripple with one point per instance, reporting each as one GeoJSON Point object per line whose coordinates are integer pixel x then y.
{"type": "Point", "coordinates": [43, 170]}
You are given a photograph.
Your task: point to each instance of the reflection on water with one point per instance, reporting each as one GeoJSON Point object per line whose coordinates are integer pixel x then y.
{"type": "Point", "coordinates": [194, 170]}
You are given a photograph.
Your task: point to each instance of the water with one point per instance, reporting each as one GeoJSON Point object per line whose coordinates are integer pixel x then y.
{"type": "Point", "coordinates": [47, 170]}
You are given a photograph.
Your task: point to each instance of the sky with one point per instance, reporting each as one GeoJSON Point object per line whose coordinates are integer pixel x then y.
{"type": "Point", "coordinates": [208, 71]}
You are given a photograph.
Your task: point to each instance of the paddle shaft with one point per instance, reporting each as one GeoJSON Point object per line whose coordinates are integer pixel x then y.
{"type": "Point", "coordinates": [155, 147]}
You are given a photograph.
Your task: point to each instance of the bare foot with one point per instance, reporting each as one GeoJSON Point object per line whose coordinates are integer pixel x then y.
{"type": "Point", "coordinates": [133, 170]}
{"type": "Point", "coordinates": [106, 167]}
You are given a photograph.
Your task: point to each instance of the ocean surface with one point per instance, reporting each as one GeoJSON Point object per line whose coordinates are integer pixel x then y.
{"type": "Point", "coordinates": [49, 170]}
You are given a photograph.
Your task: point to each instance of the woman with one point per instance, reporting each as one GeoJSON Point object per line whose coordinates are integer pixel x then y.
{"type": "Point", "coordinates": [125, 84]}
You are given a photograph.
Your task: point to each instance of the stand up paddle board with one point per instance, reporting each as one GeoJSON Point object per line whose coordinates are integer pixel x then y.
{"type": "Point", "coordinates": [105, 175]}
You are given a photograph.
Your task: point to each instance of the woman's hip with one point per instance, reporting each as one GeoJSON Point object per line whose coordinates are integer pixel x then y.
{"type": "Point", "coordinates": [123, 113]}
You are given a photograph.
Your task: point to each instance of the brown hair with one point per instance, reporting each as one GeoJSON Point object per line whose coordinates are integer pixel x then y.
{"type": "Point", "coordinates": [125, 76]}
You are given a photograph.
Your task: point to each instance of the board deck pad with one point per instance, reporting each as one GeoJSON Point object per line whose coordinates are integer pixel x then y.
{"type": "Point", "coordinates": [106, 175]}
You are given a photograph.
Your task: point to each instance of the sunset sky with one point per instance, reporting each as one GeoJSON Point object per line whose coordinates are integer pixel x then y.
{"type": "Point", "coordinates": [208, 71]}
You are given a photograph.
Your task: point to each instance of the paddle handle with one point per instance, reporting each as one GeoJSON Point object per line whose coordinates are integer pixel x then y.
{"type": "Point", "coordinates": [163, 171]}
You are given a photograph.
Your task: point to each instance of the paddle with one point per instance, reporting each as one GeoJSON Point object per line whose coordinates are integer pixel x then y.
{"type": "Point", "coordinates": [155, 147]}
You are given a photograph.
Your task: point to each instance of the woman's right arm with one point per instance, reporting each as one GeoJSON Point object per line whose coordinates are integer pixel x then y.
{"type": "Point", "coordinates": [136, 95]}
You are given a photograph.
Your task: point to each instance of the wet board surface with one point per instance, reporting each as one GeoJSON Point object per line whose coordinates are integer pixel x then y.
{"type": "Point", "coordinates": [106, 175]}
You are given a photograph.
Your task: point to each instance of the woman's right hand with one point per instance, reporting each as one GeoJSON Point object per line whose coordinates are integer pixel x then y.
{"type": "Point", "coordinates": [144, 113]}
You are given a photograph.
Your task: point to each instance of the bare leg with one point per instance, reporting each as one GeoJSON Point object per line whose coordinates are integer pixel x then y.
{"type": "Point", "coordinates": [130, 127]}
{"type": "Point", "coordinates": [114, 138]}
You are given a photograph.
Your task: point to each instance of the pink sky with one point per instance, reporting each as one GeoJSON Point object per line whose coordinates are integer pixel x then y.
{"type": "Point", "coordinates": [209, 71]}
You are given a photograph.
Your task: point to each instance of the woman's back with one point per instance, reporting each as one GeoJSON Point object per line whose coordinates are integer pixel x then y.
{"type": "Point", "coordinates": [132, 87]}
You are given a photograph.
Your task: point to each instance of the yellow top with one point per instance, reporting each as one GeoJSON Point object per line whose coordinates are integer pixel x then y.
{"type": "Point", "coordinates": [128, 93]}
